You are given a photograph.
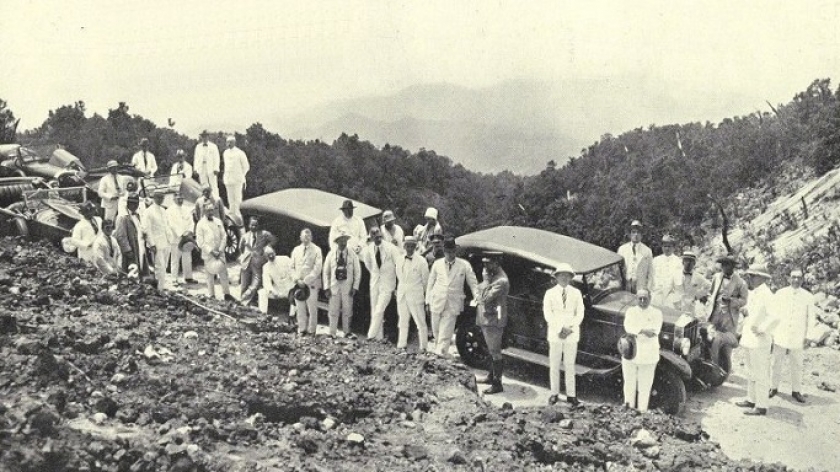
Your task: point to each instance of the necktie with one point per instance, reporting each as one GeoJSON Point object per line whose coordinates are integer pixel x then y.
{"type": "Point", "coordinates": [564, 297]}
{"type": "Point", "coordinates": [408, 258]}
{"type": "Point", "coordinates": [634, 249]}
{"type": "Point", "coordinates": [180, 167]}
{"type": "Point", "coordinates": [378, 258]}
{"type": "Point", "coordinates": [110, 246]}
{"type": "Point", "coordinates": [145, 162]}
{"type": "Point", "coordinates": [341, 260]}
{"type": "Point", "coordinates": [94, 226]}
{"type": "Point", "coordinates": [116, 182]}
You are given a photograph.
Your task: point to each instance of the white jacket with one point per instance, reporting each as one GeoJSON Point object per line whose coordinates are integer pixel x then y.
{"type": "Point", "coordinates": [206, 161]}
{"type": "Point", "coordinates": [180, 219]}
{"type": "Point", "coordinates": [557, 316]}
{"type": "Point", "coordinates": [147, 165]}
{"type": "Point", "coordinates": [384, 276]}
{"type": "Point", "coordinates": [307, 263]}
{"type": "Point", "coordinates": [795, 310]}
{"type": "Point", "coordinates": [179, 172]}
{"type": "Point", "coordinates": [635, 320]}
{"type": "Point", "coordinates": [209, 236]}
{"type": "Point", "coordinates": [354, 269]}
{"type": "Point", "coordinates": [445, 287]}
{"type": "Point", "coordinates": [156, 227]}
{"type": "Point", "coordinates": [413, 275]}
{"type": "Point", "coordinates": [355, 228]}
{"type": "Point", "coordinates": [83, 236]}
{"type": "Point", "coordinates": [236, 166]}
{"type": "Point", "coordinates": [277, 276]}
{"type": "Point", "coordinates": [760, 314]}
{"type": "Point", "coordinates": [109, 191]}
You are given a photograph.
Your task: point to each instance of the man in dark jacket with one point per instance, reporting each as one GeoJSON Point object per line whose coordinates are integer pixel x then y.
{"type": "Point", "coordinates": [728, 295]}
{"type": "Point", "coordinates": [252, 259]}
{"type": "Point", "coordinates": [129, 236]}
{"type": "Point", "coordinates": [492, 316]}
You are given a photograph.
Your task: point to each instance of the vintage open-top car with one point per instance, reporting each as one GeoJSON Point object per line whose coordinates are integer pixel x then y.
{"type": "Point", "coordinates": [49, 163]}
{"type": "Point", "coordinates": [529, 255]}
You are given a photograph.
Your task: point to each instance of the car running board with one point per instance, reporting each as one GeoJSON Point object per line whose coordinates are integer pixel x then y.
{"type": "Point", "coordinates": [542, 360]}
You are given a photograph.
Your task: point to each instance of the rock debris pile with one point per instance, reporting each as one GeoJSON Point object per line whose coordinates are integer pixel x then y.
{"type": "Point", "coordinates": [103, 374]}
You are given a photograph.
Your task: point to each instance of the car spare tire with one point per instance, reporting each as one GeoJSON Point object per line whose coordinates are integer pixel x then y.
{"type": "Point", "coordinates": [471, 346]}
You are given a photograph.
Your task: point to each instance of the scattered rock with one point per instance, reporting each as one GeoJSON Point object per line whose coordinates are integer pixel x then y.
{"type": "Point", "coordinates": [99, 418]}
{"type": "Point", "coordinates": [642, 439]}
{"type": "Point", "coordinates": [355, 438]}
{"type": "Point", "coordinates": [456, 457]}
{"type": "Point", "coordinates": [190, 335]}
{"type": "Point", "coordinates": [651, 452]}
{"type": "Point", "coordinates": [415, 452]}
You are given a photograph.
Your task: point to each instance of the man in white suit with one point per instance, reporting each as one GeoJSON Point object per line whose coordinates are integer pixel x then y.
{"type": "Point", "coordinates": [637, 259]}
{"type": "Point", "coordinates": [277, 279]}
{"type": "Point", "coordinates": [307, 261]}
{"type": "Point", "coordinates": [445, 293]}
{"type": "Point", "coordinates": [665, 273]}
{"type": "Point", "coordinates": [180, 218]}
{"type": "Point", "coordinates": [110, 191]}
{"type": "Point", "coordinates": [795, 307]}
{"type": "Point", "coordinates": [106, 251]}
{"type": "Point", "coordinates": [181, 169]}
{"type": "Point", "coordinates": [413, 275]}
{"type": "Point", "coordinates": [159, 236]}
{"type": "Point", "coordinates": [757, 340]}
{"type": "Point", "coordinates": [563, 311]}
{"type": "Point", "coordinates": [236, 171]}
{"type": "Point", "coordinates": [206, 163]}
{"type": "Point", "coordinates": [381, 259]}
{"type": "Point", "coordinates": [143, 160]}
{"type": "Point", "coordinates": [342, 276]}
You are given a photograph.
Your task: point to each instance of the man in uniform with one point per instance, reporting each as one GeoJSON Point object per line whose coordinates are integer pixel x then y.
{"type": "Point", "coordinates": [380, 258]}
{"type": "Point", "coordinates": [728, 295]}
{"type": "Point", "coordinates": [665, 272]}
{"type": "Point", "coordinates": [413, 275]}
{"type": "Point", "coordinates": [210, 238]}
{"type": "Point", "coordinates": [637, 259]}
{"type": "Point", "coordinates": [252, 257]}
{"type": "Point", "coordinates": [342, 276]}
{"type": "Point", "coordinates": [563, 311]}
{"type": "Point", "coordinates": [445, 294]}
{"type": "Point", "coordinates": [181, 169]}
{"type": "Point", "coordinates": [350, 224]}
{"type": "Point", "coordinates": [795, 307]}
{"type": "Point", "coordinates": [206, 163]}
{"type": "Point", "coordinates": [307, 261]}
{"type": "Point", "coordinates": [236, 171]}
{"type": "Point", "coordinates": [757, 341]}
{"type": "Point", "coordinates": [159, 237]}
{"type": "Point", "coordinates": [180, 218]}
{"type": "Point", "coordinates": [391, 231]}
{"type": "Point", "coordinates": [277, 279]}
{"type": "Point", "coordinates": [143, 160]}
{"type": "Point", "coordinates": [492, 316]}
{"type": "Point", "coordinates": [110, 191]}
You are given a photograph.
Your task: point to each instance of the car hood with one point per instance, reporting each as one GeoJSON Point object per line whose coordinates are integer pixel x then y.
{"type": "Point", "coordinates": [617, 303]}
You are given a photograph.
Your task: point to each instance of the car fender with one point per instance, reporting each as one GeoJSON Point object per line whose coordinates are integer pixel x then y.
{"type": "Point", "coordinates": [672, 358]}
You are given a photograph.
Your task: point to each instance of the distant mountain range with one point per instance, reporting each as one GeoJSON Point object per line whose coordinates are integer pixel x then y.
{"type": "Point", "coordinates": [517, 125]}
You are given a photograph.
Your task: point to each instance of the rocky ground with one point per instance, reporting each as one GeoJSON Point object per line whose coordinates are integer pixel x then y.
{"type": "Point", "coordinates": [105, 374]}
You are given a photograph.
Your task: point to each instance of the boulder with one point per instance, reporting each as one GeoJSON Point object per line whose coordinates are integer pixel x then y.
{"type": "Point", "coordinates": [818, 333]}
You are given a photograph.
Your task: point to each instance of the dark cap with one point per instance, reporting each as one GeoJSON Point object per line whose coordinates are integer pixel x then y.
{"type": "Point", "coordinates": [449, 243]}
{"type": "Point", "coordinates": [347, 205]}
{"type": "Point", "coordinates": [727, 259]}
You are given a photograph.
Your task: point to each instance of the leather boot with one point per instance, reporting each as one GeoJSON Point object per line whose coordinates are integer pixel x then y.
{"type": "Point", "coordinates": [491, 374]}
{"type": "Point", "coordinates": [496, 386]}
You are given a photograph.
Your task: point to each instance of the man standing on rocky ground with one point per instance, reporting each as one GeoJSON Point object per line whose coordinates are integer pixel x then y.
{"type": "Point", "coordinates": [665, 272]}
{"type": "Point", "coordinates": [380, 258]}
{"type": "Point", "coordinates": [692, 291]}
{"type": "Point", "coordinates": [110, 191]}
{"type": "Point", "coordinates": [644, 323]}
{"type": "Point", "coordinates": [129, 236]}
{"type": "Point", "coordinates": [391, 231]}
{"type": "Point", "coordinates": [563, 311]}
{"type": "Point", "coordinates": [159, 237]}
{"type": "Point", "coordinates": [352, 225]}
{"type": "Point", "coordinates": [277, 280]}
{"type": "Point", "coordinates": [143, 160]}
{"type": "Point", "coordinates": [181, 169]}
{"type": "Point", "coordinates": [445, 294]}
{"type": "Point", "coordinates": [342, 276]}
{"type": "Point", "coordinates": [637, 259]}
{"type": "Point", "coordinates": [106, 250]}
{"type": "Point", "coordinates": [796, 312]}
{"type": "Point", "coordinates": [413, 275]}
{"type": "Point", "coordinates": [210, 237]}
{"type": "Point", "coordinates": [757, 340]}
{"type": "Point", "coordinates": [492, 316]}
{"type": "Point", "coordinates": [206, 163]}
{"type": "Point", "coordinates": [84, 233]}
{"type": "Point", "coordinates": [180, 218]}
{"type": "Point", "coordinates": [252, 258]}
{"type": "Point", "coordinates": [307, 261]}
{"type": "Point", "coordinates": [424, 233]}
{"type": "Point", "coordinates": [236, 172]}
{"type": "Point", "coordinates": [728, 295]}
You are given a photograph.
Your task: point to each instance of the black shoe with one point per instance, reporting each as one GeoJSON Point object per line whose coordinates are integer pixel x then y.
{"type": "Point", "coordinates": [495, 388]}
{"type": "Point", "coordinates": [773, 392]}
{"type": "Point", "coordinates": [552, 400]}
{"type": "Point", "coordinates": [491, 371]}
{"type": "Point", "coordinates": [798, 397]}
{"type": "Point", "coordinates": [230, 298]}
{"type": "Point", "coordinates": [190, 281]}
{"type": "Point", "coordinates": [573, 401]}
{"type": "Point", "coordinates": [745, 404]}
{"type": "Point", "coordinates": [756, 412]}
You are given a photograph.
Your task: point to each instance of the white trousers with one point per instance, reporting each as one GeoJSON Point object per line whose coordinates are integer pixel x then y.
{"type": "Point", "coordinates": [565, 353]}
{"type": "Point", "coordinates": [161, 258]}
{"type": "Point", "coordinates": [212, 180]}
{"type": "Point", "coordinates": [758, 375]}
{"type": "Point", "coordinates": [795, 356]}
{"type": "Point", "coordinates": [638, 380]}
{"type": "Point", "coordinates": [379, 300]}
{"type": "Point", "coordinates": [223, 280]}
{"type": "Point", "coordinates": [234, 195]}
{"type": "Point", "coordinates": [407, 311]}
{"type": "Point", "coordinates": [341, 306]}
{"type": "Point", "coordinates": [307, 312]}
{"type": "Point", "coordinates": [109, 213]}
{"type": "Point", "coordinates": [443, 327]}
{"type": "Point", "coordinates": [179, 259]}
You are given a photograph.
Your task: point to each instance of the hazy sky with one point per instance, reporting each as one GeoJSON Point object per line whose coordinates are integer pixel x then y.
{"type": "Point", "coordinates": [204, 63]}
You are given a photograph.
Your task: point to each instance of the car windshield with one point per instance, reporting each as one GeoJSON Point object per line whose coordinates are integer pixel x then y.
{"type": "Point", "coordinates": [603, 281]}
{"type": "Point", "coordinates": [28, 156]}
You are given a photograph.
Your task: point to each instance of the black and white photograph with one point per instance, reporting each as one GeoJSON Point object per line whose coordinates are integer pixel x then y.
{"type": "Point", "coordinates": [371, 235]}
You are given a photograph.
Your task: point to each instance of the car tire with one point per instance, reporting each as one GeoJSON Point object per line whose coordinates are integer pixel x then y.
{"type": "Point", "coordinates": [22, 227]}
{"type": "Point", "coordinates": [234, 235]}
{"type": "Point", "coordinates": [668, 392]}
{"type": "Point", "coordinates": [471, 346]}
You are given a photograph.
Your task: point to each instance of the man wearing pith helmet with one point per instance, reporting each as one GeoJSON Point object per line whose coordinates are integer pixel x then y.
{"type": "Point", "coordinates": [756, 339]}
{"type": "Point", "coordinates": [563, 311]}
{"type": "Point", "coordinates": [637, 259]}
{"type": "Point", "coordinates": [492, 315]}
{"type": "Point", "coordinates": [391, 231]}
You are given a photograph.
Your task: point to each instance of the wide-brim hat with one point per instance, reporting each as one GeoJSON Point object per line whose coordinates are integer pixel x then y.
{"type": "Point", "coordinates": [205, 133]}
{"type": "Point", "coordinates": [347, 205]}
{"type": "Point", "coordinates": [727, 259]}
{"type": "Point", "coordinates": [436, 237]}
{"type": "Point", "coordinates": [187, 238]}
{"type": "Point", "coordinates": [341, 235]}
{"type": "Point", "coordinates": [299, 293]}
{"type": "Point", "coordinates": [689, 255]}
{"type": "Point", "coordinates": [112, 164]}
{"type": "Point", "coordinates": [388, 216]}
{"type": "Point", "coordinates": [761, 271]}
{"type": "Point", "coordinates": [667, 239]}
{"type": "Point", "coordinates": [230, 139]}
{"type": "Point", "coordinates": [87, 208]}
{"type": "Point", "coordinates": [449, 243]}
{"type": "Point", "coordinates": [410, 240]}
{"type": "Point", "coordinates": [563, 268]}
{"type": "Point", "coordinates": [627, 346]}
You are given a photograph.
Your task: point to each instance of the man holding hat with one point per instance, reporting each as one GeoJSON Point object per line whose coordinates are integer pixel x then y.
{"type": "Point", "coordinates": [143, 160]}
{"type": "Point", "coordinates": [644, 323]}
{"type": "Point", "coordinates": [692, 289]}
{"type": "Point", "coordinates": [234, 178]}
{"type": "Point", "coordinates": [181, 169]}
{"type": "Point", "coordinates": [159, 236]}
{"type": "Point", "coordinates": [251, 258]}
{"type": "Point", "coordinates": [84, 233]}
{"type": "Point", "coordinates": [206, 163]}
{"type": "Point", "coordinates": [424, 233]}
{"type": "Point", "coordinates": [277, 279]}
{"type": "Point", "coordinates": [637, 259]}
{"type": "Point", "coordinates": [106, 251]}
{"type": "Point", "coordinates": [350, 224]}
{"type": "Point", "coordinates": [757, 340]}
{"type": "Point", "coordinates": [129, 236]}
{"type": "Point", "coordinates": [445, 293]}
{"type": "Point", "coordinates": [180, 219]}
{"type": "Point", "coordinates": [413, 275]}
{"type": "Point", "coordinates": [211, 239]}
{"type": "Point", "coordinates": [563, 310]}
{"type": "Point", "coordinates": [492, 316]}
{"type": "Point", "coordinates": [342, 276]}
{"type": "Point", "coordinates": [307, 260]}
{"type": "Point", "coordinates": [110, 190]}
{"type": "Point", "coordinates": [380, 258]}
{"type": "Point", "coordinates": [796, 312]}
{"type": "Point", "coordinates": [391, 231]}
{"type": "Point", "coordinates": [728, 295]}
{"type": "Point", "coordinates": [665, 272]}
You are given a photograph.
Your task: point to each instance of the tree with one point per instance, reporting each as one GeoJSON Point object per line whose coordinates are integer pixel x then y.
{"type": "Point", "coordinates": [8, 124]}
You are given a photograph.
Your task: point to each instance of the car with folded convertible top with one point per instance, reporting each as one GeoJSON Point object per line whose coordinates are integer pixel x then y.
{"type": "Point", "coordinates": [46, 162]}
{"type": "Point", "coordinates": [529, 255]}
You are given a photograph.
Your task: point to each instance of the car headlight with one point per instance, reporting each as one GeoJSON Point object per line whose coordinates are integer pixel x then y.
{"type": "Point", "coordinates": [685, 346]}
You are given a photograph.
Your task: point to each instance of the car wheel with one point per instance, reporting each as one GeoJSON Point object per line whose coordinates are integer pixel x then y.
{"type": "Point", "coordinates": [668, 392]}
{"type": "Point", "coordinates": [471, 346]}
{"type": "Point", "coordinates": [233, 237]}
